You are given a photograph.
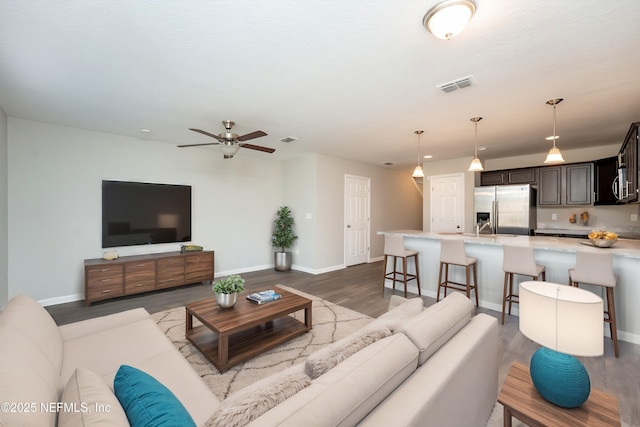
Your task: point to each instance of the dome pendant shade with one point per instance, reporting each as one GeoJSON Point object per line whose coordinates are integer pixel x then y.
{"type": "Point", "coordinates": [475, 165]}
{"type": "Point", "coordinates": [418, 172]}
{"type": "Point", "coordinates": [448, 18]}
{"type": "Point", "coordinates": [554, 155]}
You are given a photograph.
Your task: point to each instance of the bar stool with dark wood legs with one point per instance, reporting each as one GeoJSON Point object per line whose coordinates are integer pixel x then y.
{"type": "Point", "coordinates": [518, 260]}
{"type": "Point", "coordinates": [394, 247]}
{"type": "Point", "coordinates": [597, 269]}
{"type": "Point", "coordinates": [452, 253]}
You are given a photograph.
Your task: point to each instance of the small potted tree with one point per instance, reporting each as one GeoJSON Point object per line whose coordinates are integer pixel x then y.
{"type": "Point", "coordinates": [283, 237]}
{"type": "Point", "coordinates": [227, 290]}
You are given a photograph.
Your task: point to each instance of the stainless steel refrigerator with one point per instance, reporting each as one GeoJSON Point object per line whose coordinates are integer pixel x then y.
{"type": "Point", "coordinates": [506, 209]}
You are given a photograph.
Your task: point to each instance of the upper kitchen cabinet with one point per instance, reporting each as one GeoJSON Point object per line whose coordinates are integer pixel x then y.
{"type": "Point", "coordinates": [605, 172]}
{"type": "Point", "coordinates": [626, 187]}
{"type": "Point", "coordinates": [565, 185]}
{"type": "Point", "coordinates": [510, 176]}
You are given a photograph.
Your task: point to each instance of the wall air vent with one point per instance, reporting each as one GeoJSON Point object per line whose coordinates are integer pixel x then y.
{"type": "Point", "coordinates": [288, 139]}
{"type": "Point", "coordinates": [457, 84]}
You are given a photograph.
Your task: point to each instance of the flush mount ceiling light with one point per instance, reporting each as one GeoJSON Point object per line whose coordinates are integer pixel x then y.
{"type": "Point", "coordinates": [554, 155]}
{"type": "Point", "coordinates": [417, 172]}
{"type": "Point", "coordinates": [475, 165]}
{"type": "Point", "coordinates": [448, 18]}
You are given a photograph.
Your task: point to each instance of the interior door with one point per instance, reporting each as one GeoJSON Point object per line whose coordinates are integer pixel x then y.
{"type": "Point", "coordinates": [447, 203]}
{"type": "Point", "coordinates": [356, 219]}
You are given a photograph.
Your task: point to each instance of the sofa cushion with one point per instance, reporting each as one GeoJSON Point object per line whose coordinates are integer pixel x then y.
{"type": "Point", "coordinates": [433, 327]}
{"type": "Point", "coordinates": [345, 394]}
{"type": "Point", "coordinates": [90, 402]}
{"type": "Point", "coordinates": [147, 402]}
{"type": "Point", "coordinates": [103, 352]}
{"type": "Point", "coordinates": [92, 326]}
{"type": "Point", "coordinates": [326, 358]}
{"type": "Point", "coordinates": [26, 315]}
{"type": "Point", "coordinates": [27, 376]}
{"type": "Point", "coordinates": [249, 403]}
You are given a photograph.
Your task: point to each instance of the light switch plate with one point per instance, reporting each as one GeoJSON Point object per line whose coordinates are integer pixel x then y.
{"type": "Point", "coordinates": [634, 217]}
{"type": "Point", "coordinates": [554, 217]}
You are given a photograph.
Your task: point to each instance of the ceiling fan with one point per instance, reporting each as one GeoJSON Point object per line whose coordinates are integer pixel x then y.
{"type": "Point", "coordinates": [231, 142]}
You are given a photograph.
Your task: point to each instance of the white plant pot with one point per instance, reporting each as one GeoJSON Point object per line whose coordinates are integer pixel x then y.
{"type": "Point", "coordinates": [226, 300]}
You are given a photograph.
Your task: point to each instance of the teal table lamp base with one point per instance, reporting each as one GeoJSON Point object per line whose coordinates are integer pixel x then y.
{"type": "Point", "coordinates": [560, 378]}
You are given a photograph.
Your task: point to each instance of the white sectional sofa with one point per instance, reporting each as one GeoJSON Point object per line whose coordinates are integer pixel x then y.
{"type": "Point", "coordinates": [411, 367]}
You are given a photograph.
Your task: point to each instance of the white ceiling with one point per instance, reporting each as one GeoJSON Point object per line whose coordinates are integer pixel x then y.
{"type": "Point", "coordinates": [350, 78]}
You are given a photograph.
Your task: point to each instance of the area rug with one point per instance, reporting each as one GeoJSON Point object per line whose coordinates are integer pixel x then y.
{"type": "Point", "coordinates": [331, 322]}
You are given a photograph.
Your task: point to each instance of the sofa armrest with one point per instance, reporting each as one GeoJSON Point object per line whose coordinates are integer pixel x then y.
{"type": "Point", "coordinates": [465, 370]}
{"type": "Point", "coordinates": [83, 328]}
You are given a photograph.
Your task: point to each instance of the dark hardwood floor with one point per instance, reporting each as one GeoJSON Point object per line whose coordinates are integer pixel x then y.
{"type": "Point", "coordinates": [360, 288]}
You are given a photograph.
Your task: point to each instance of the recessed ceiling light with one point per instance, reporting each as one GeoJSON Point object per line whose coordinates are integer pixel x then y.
{"type": "Point", "coordinates": [551, 138]}
{"type": "Point", "coordinates": [145, 130]}
{"type": "Point", "coordinates": [428, 156]}
{"type": "Point", "coordinates": [387, 163]}
{"type": "Point", "coordinates": [482, 148]}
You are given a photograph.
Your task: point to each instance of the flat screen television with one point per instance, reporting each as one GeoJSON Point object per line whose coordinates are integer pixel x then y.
{"type": "Point", "coordinates": [136, 213]}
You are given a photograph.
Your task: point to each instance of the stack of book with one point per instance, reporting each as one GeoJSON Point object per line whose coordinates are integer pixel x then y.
{"type": "Point", "coordinates": [264, 296]}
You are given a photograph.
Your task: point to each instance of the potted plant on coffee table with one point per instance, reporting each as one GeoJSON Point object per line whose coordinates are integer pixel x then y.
{"type": "Point", "coordinates": [227, 290]}
{"type": "Point", "coordinates": [283, 237]}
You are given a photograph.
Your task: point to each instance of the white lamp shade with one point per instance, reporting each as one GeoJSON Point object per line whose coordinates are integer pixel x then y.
{"type": "Point", "coordinates": [563, 318]}
{"type": "Point", "coordinates": [448, 18]}
{"type": "Point", "coordinates": [475, 165]}
{"type": "Point", "coordinates": [417, 172]}
{"type": "Point", "coordinates": [554, 156]}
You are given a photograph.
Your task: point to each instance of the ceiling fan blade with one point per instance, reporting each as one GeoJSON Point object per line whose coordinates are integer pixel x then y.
{"type": "Point", "coordinates": [258, 148]}
{"type": "Point", "coordinates": [252, 135]}
{"type": "Point", "coordinates": [207, 133]}
{"type": "Point", "coordinates": [198, 145]}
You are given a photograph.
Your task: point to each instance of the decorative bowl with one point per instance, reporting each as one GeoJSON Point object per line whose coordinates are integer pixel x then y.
{"type": "Point", "coordinates": [603, 243]}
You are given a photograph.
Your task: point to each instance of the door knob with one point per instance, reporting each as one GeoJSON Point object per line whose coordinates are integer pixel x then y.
{"type": "Point", "coordinates": [348, 225]}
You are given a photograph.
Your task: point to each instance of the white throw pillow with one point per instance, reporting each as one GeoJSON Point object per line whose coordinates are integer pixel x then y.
{"type": "Point", "coordinates": [326, 358]}
{"type": "Point", "coordinates": [88, 401]}
{"type": "Point", "coordinates": [248, 404]}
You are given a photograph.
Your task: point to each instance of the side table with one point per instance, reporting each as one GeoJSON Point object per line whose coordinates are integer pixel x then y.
{"type": "Point", "coordinates": [521, 400]}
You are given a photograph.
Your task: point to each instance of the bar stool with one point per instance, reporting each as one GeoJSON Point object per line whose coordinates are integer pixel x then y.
{"type": "Point", "coordinates": [452, 253]}
{"type": "Point", "coordinates": [394, 247]}
{"type": "Point", "coordinates": [597, 269]}
{"type": "Point", "coordinates": [517, 260]}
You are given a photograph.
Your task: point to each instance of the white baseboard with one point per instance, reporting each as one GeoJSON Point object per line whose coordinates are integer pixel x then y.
{"type": "Point", "coordinates": [61, 300]}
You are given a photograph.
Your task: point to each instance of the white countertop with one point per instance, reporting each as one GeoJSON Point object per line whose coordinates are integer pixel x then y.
{"type": "Point", "coordinates": [627, 248]}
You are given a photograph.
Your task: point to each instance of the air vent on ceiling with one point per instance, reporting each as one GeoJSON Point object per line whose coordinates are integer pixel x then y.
{"type": "Point", "coordinates": [457, 84]}
{"type": "Point", "coordinates": [289, 139]}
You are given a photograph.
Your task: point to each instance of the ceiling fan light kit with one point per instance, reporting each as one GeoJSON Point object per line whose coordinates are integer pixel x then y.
{"type": "Point", "coordinates": [230, 142]}
{"type": "Point", "coordinates": [554, 155]}
{"type": "Point", "coordinates": [447, 19]}
{"type": "Point", "coordinates": [475, 165]}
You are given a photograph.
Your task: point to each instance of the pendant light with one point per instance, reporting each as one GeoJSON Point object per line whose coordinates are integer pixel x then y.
{"type": "Point", "coordinates": [417, 172]}
{"type": "Point", "coordinates": [554, 155]}
{"type": "Point", "coordinates": [475, 165]}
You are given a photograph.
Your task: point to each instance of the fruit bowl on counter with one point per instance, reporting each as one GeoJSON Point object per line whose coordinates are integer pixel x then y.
{"type": "Point", "coordinates": [603, 239]}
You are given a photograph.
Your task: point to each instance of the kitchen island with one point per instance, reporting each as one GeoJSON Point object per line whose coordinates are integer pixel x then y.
{"type": "Point", "coordinates": [557, 254]}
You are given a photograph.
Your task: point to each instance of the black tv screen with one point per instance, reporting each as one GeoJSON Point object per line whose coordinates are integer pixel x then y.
{"type": "Point", "coordinates": [136, 213]}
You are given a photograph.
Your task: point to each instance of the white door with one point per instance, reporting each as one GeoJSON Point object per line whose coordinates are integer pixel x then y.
{"type": "Point", "coordinates": [447, 202]}
{"type": "Point", "coordinates": [356, 220]}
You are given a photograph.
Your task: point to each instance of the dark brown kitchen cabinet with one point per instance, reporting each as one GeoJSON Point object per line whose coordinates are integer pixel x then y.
{"type": "Point", "coordinates": [510, 176]}
{"type": "Point", "coordinates": [628, 174]}
{"type": "Point", "coordinates": [565, 185]}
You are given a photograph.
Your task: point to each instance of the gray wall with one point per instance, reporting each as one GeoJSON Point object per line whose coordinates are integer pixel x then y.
{"type": "Point", "coordinates": [4, 214]}
{"type": "Point", "coordinates": [53, 204]}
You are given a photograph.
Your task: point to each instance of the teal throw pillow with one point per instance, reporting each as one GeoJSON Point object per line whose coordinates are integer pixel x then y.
{"type": "Point", "coordinates": [147, 402]}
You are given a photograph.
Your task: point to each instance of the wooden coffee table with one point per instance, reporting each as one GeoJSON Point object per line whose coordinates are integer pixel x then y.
{"type": "Point", "coordinates": [520, 399]}
{"type": "Point", "coordinates": [229, 336]}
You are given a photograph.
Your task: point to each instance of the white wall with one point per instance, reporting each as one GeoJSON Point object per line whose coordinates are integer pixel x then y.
{"type": "Point", "coordinates": [54, 199]}
{"type": "Point", "coordinates": [4, 214]}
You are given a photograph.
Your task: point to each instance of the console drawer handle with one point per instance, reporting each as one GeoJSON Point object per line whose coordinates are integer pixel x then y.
{"type": "Point", "coordinates": [106, 291]}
